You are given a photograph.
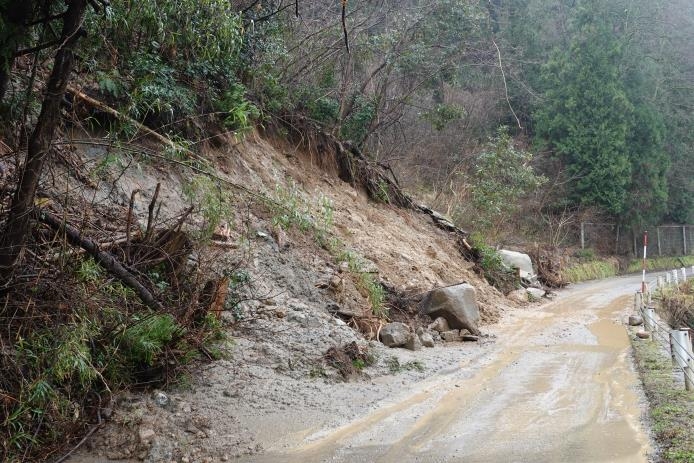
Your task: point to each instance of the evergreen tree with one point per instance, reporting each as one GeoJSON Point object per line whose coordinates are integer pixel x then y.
{"type": "Point", "coordinates": [585, 115]}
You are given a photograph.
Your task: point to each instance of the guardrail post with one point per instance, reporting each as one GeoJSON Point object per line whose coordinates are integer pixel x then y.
{"type": "Point", "coordinates": [661, 282]}
{"type": "Point", "coordinates": [688, 371]}
{"type": "Point", "coordinates": [684, 274]}
{"type": "Point", "coordinates": [668, 278]}
{"type": "Point", "coordinates": [687, 341]}
{"type": "Point", "coordinates": [681, 352]}
{"type": "Point", "coordinates": [673, 354]}
{"type": "Point", "coordinates": [649, 320]}
{"type": "Point", "coordinates": [675, 277]}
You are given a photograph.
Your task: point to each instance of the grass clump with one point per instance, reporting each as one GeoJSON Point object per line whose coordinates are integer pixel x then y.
{"type": "Point", "coordinates": [366, 281]}
{"type": "Point", "coordinates": [591, 270]}
{"type": "Point", "coordinates": [395, 367]}
{"type": "Point", "coordinates": [660, 263]}
{"type": "Point", "coordinates": [671, 407]}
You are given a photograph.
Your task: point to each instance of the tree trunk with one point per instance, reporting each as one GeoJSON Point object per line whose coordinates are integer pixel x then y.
{"type": "Point", "coordinates": [18, 222]}
{"type": "Point", "coordinates": [15, 15]}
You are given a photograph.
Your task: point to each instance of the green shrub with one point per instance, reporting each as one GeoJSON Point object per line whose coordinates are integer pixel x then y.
{"type": "Point", "coordinates": [146, 339]}
{"type": "Point", "coordinates": [239, 113]}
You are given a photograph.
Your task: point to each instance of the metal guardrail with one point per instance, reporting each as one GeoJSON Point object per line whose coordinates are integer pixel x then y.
{"type": "Point", "coordinates": [678, 342]}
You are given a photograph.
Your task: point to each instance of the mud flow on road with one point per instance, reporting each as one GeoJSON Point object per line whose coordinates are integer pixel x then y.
{"type": "Point", "coordinates": [556, 386]}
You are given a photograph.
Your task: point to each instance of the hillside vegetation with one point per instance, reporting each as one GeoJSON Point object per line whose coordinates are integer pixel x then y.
{"type": "Point", "coordinates": [146, 146]}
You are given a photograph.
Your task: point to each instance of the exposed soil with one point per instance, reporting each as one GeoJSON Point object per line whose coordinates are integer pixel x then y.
{"type": "Point", "coordinates": [276, 386]}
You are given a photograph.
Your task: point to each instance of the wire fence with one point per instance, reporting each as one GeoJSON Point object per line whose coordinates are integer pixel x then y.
{"type": "Point", "coordinates": [667, 240]}
{"type": "Point", "coordinates": [677, 342]}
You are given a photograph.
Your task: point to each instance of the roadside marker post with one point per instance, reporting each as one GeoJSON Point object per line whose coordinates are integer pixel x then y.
{"type": "Point", "coordinates": [643, 275]}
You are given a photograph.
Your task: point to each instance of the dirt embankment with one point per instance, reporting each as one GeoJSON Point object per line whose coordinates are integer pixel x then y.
{"type": "Point", "coordinates": [275, 383]}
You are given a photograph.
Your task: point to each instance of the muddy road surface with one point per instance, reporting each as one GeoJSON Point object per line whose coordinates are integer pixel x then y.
{"type": "Point", "coordinates": [557, 385]}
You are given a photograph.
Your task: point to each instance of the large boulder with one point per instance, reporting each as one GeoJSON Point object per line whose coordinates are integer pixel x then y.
{"type": "Point", "coordinates": [395, 334]}
{"type": "Point", "coordinates": [520, 261]}
{"type": "Point", "coordinates": [536, 293]}
{"type": "Point", "coordinates": [457, 304]}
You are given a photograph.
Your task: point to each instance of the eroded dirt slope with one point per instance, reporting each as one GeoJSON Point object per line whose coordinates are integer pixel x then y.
{"type": "Point", "coordinates": [276, 385]}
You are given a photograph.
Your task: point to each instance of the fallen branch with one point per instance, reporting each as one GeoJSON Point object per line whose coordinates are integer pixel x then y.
{"type": "Point", "coordinates": [119, 115]}
{"type": "Point", "coordinates": [105, 259]}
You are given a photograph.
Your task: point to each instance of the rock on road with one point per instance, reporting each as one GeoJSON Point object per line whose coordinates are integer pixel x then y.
{"type": "Point", "coordinates": [557, 386]}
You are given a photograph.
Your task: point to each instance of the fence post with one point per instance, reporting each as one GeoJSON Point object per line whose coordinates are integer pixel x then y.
{"type": "Point", "coordinates": [649, 320]}
{"type": "Point", "coordinates": [684, 274]}
{"type": "Point", "coordinates": [687, 367]}
{"type": "Point", "coordinates": [583, 235]}
{"type": "Point", "coordinates": [687, 341]}
{"type": "Point", "coordinates": [681, 352]}
{"type": "Point", "coordinates": [673, 354]}
{"type": "Point", "coordinates": [688, 371]}
{"type": "Point", "coordinates": [675, 277]}
{"type": "Point", "coordinates": [684, 240]}
{"type": "Point", "coordinates": [657, 232]}
{"type": "Point", "coordinates": [668, 278]}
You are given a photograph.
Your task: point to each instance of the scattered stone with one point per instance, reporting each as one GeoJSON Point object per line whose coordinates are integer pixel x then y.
{"type": "Point", "coordinates": [451, 336]}
{"type": "Point", "coordinates": [280, 313]}
{"type": "Point", "coordinates": [427, 339]}
{"type": "Point", "coordinates": [280, 236]}
{"type": "Point", "coordinates": [420, 331]}
{"type": "Point", "coordinates": [470, 337]}
{"type": "Point", "coordinates": [395, 334]}
{"type": "Point", "coordinates": [343, 267]}
{"type": "Point", "coordinates": [536, 293]}
{"type": "Point", "coordinates": [643, 334]}
{"type": "Point", "coordinates": [161, 399]}
{"type": "Point", "coordinates": [414, 343]}
{"type": "Point", "coordinates": [457, 304]}
{"type": "Point", "coordinates": [146, 435]}
{"type": "Point", "coordinates": [440, 325]}
{"type": "Point", "coordinates": [519, 295]}
{"type": "Point", "coordinates": [335, 282]}
{"type": "Point", "coordinates": [297, 317]}
{"type": "Point", "coordinates": [222, 232]}
{"type": "Point", "coordinates": [635, 320]}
